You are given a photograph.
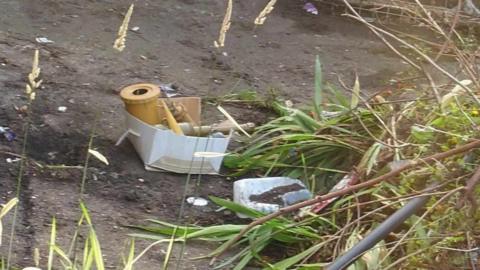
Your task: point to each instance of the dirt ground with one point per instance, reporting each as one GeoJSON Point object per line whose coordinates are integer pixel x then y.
{"type": "Point", "coordinates": [174, 44]}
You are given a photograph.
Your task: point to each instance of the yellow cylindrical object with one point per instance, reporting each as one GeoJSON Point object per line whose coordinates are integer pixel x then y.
{"type": "Point", "coordinates": [141, 101]}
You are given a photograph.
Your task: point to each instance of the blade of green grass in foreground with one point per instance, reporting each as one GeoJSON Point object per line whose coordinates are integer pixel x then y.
{"type": "Point", "coordinates": [318, 88]}
{"type": "Point", "coordinates": [51, 244]}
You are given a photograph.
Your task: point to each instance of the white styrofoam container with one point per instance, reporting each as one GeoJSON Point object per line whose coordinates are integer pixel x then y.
{"type": "Point", "coordinates": [244, 188]}
{"type": "Point", "coordinates": [162, 149]}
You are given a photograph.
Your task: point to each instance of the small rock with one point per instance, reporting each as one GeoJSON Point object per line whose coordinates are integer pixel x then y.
{"type": "Point", "coordinates": [23, 109]}
{"type": "Point", "coordinates": [135, 28]}
{"type": "Point", "coordinates": [62, 109]}
{"type": "Point", "coordinates": [132, 196]}
{"type": "Point", "coordinates": [52, 155]}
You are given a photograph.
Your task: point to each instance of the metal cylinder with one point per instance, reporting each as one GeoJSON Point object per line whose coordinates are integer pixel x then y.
{"type": "Point", "coordinates": [379, 233]}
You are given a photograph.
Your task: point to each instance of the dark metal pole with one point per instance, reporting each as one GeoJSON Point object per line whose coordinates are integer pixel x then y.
{"type": "Point", "coordinates": [385, 228]}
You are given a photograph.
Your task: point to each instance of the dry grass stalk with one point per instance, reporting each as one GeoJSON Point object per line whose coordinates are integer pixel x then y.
{"type": "Point", "coordinates": [119, 43]}
{"type": "Point", "coordinates": [408, 9]}
{"type": "Point", "coordinates": [263, 15]}
{"type": "Point", "coordinates": [225, 26]}
{"type": "Point", "coordinates": [30, 89]}
{"type": "Point", "coordinates": [379, 31]}
{"type": "Point", "coordinates": [235, 123]}
{"type": "Point", "coordinates": [33, 84]}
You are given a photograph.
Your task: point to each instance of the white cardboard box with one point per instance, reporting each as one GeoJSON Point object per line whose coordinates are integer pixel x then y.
{"type": "Point", "coordinates": [162, 149]}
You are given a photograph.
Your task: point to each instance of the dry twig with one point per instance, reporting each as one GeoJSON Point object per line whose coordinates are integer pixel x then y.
{"type": "Point", "coordinates": [469, 191]}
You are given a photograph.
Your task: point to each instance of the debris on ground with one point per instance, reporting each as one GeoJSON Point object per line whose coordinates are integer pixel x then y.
{"type": "Point", "coordinates": [197, 201]}
{"type": "Point", "coordinates": [158, 126]}
{"type": "Point", "coordinates": [269, 194]}
{"type": "Point", "coordinates": [7, 133]}
{"type": "Point", "coordinates": [43, 40]}
{"type": "Point", "coordinates": [310, 8]}
{"type": "Point", "coordinates": [62, 109]}
{"type": "Point", "coordinates": [169, 89]}
{"type": "Point", "coordinates": [12, 160]}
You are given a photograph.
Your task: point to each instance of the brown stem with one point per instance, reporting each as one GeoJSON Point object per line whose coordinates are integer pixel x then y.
{"type": "Point", "coordinates": [469, 188]}
{"type": "Point", "coordinates": [369, 183]}
{"type": "Point", "coordinates": [433, 85]}
{"type": "Point", "coordinates": [448, 41]}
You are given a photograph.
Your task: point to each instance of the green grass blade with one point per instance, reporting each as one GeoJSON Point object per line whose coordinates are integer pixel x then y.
{"type": "Point", "coordinates": [236, 207]}
{"type": "Point", "coordinates": [87, 255]}
{"type": "Point", "coordinates": [97, 251]}
{"type": "Point", "coordinates": [369, 159]}
{"type": "Point", "coordinates": [169, 251]}
{"type": "Point", "coordinates": [93, 239]}
{"type": "Point", "coordinates": [85, 213]}
{"type": "Point", "coordinates": [218, 230]}
{"type": "Point", "coordinates": [318, 88]}
{"type": "Point", "coordinates": [244, 261]}
{"type": "Point", "coordinates": [355, 93]}
{"type": "Point", "coordinates": [232, 259]}
{"type": "Point", "coordinates": [148, 236]}
{"type": "Point", "coordinates": [287, 263]}
{"type": "Point", "coordinates": [131, 256]}
{"type": "Point", "coordinates": [51, 244]}
{"type": "Point", "coordinates": [8, 206]}
{"type": "Point", "coordinates": [62, 255]}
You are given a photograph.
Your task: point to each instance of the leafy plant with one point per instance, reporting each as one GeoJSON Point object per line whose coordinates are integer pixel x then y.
{"type": "Point", "coordinates": [92, 254]}
{"type": "Point", "coordinates": [318, 144]}
{"type": "Point", "coordinates": [281, 231]}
